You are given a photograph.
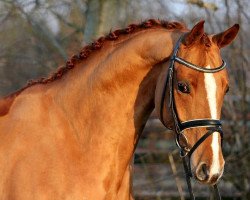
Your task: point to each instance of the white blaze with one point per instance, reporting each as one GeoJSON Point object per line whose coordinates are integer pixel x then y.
{"type": "Point", "coordinates": [210, 85]}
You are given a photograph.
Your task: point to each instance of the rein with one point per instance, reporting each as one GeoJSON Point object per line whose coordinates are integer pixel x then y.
{"type": "Point", "coordinates": [212, 125]}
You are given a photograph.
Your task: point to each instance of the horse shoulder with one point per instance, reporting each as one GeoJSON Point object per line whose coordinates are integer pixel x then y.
{"type": "Point", "coordinates": [32, 141]}
{"type": "Point", "coordinates": [27, 114]}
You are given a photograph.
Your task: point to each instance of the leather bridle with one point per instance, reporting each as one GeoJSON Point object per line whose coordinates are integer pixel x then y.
{"type": "Point", "coordinates": [212, 125]}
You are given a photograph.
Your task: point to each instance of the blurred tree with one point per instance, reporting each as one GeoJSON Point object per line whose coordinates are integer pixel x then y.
{"type": "Point", "coordinates": [101, 15]}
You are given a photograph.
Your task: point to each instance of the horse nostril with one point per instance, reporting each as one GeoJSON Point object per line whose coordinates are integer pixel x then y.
{"type": "Point", "coordinates": [202, 172]}
{"type": "Point", "coordinates": [204, 168]}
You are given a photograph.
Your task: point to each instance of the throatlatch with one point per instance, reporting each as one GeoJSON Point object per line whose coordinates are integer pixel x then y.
{"type": "Point", "coordinates": [212, 125]}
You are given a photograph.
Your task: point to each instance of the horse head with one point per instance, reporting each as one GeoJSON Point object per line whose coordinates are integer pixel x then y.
{"type": "Point", "coordinates": [195, 85]}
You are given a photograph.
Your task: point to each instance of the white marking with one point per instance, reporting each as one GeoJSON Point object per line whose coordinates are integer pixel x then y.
{"type": "Point", "coordinates": [210, 85]}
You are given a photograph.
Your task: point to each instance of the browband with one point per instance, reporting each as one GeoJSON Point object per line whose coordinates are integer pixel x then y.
{"type": "Point", "coordinates": [198, 68]}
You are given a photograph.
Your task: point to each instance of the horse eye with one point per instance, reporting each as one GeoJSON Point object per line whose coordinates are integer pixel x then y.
{"type": "Point", "coordinates": [183, 87]}
{"type": "Point", "coordinates": [227, 90]}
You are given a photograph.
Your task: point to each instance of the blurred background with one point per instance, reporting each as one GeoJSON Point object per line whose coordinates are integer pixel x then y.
{"type": "Point", "coordinates": [37, 36]}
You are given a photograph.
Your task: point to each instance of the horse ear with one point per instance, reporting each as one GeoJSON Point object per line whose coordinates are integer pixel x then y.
{"type": "Point", "coordinates": [226, 37]}
{"type": "Point", "coordinates": [195, 34]}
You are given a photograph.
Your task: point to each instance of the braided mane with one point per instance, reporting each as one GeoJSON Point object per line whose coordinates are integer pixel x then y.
{"type": "Point", "coordinates": [96, 45]}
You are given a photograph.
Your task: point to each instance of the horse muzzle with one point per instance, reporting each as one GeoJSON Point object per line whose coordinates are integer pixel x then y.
{"type": "Point", "coordinates": [204, 173]}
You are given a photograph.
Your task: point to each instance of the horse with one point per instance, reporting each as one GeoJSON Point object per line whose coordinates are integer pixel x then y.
{"type": "Point", "coordinates": [72, 135]}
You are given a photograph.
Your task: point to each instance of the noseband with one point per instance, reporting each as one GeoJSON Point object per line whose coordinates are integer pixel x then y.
{"type": "Point", "coordinates": [212, 125]}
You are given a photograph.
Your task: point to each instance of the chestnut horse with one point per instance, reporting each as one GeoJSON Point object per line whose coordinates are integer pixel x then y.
{"type": "Point", "coordinates": [73, 135]}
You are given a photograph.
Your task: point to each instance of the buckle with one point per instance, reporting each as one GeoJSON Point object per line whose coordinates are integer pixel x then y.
{"type": "Point", "coordinates": [183, 150]}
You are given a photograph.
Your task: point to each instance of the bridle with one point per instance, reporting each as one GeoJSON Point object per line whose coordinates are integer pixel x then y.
{"type": "Point", "coordinates": [212, 125]}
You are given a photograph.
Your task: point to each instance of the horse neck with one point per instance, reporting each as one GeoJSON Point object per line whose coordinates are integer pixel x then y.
{"type": "Point", "coordinates": [109, 100]}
